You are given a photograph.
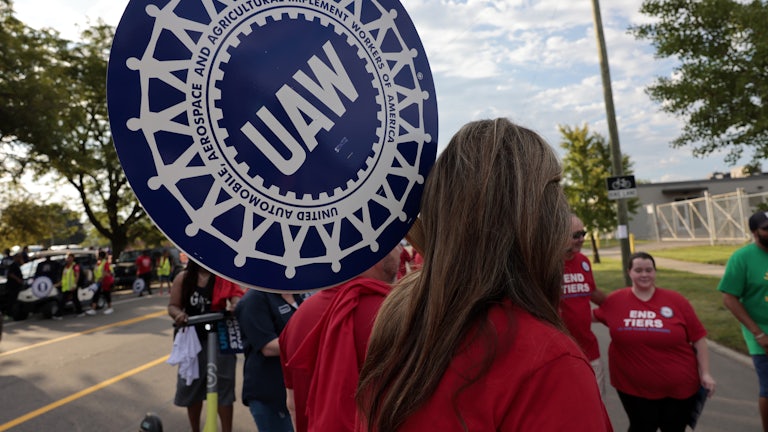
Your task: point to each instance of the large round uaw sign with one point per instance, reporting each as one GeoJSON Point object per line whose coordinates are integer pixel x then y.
{"type": "Point", "coordinates": [282, 144]}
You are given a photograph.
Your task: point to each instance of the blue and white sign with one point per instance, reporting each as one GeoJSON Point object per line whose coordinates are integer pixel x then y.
{"type": "Point", "coordinates": [282, 144]}
{"type": "Point", "coordinates": [41, 286]}
{"type": "Point", "coordinates": [138, 285]}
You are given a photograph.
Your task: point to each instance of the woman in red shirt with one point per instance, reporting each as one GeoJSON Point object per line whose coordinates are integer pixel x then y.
{"type": "Point", "coordinates": [474, 341]}
{"type": "Point", "coordinates": [658, 356]}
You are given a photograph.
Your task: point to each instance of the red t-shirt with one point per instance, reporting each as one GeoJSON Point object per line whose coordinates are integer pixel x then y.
{"type": "Point", "coordinates": [143, 264]}
{"type": "Point", "coordinates": [332, 353]}
{"type": "Point", "coordinates": [650, 354]}
{"type": "Point", "coordinates": [416, 261]}
{"type": "Point", "coordinates": [575, 306]}
{"type": "Point", "coordinates": [539, 380]}
{"type": "Point", "coordinates": [107, 278]}
{"type": "Point", "coordinates": [223, 290]}
{"type": "Point", "coordinates": [301, 323]}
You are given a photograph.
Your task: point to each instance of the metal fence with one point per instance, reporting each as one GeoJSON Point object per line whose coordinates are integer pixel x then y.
{"type": "Point", "coordinates": [717, 218]}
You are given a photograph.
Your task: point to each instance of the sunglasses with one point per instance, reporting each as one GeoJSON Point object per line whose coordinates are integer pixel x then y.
{"type": "Point", "coordinates": [579, 234]}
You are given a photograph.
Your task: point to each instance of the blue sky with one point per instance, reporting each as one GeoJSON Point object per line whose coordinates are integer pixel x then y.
{"type": "Point", "coordinates": [534, 62]}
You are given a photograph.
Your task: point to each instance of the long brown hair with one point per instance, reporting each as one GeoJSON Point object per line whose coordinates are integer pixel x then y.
{"type": "Point", "coordinates": [495, 223]}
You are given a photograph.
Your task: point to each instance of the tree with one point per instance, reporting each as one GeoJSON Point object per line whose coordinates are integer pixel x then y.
{"type": "Point", "coordinates": [31, 94]}
{"type": "Point", "coordinates": [73, 138]}
{"type": "Point", "coordinates": [720, 87]}
{"type": "Point", "coordinates": [586, 165]}
{"type": "Point", "coordinates": [24, 222]}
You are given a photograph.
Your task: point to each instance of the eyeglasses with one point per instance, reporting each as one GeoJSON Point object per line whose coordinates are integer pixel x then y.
{"type": "Point", "coordinates": [579, 234]}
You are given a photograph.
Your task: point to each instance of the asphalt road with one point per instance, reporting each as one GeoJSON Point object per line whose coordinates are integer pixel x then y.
{"type": "Point", "coordinates": [103, 373]}
{"type": "Point", "coordinates": [100, 373]}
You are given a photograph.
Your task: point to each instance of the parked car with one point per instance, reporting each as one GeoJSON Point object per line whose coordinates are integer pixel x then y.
{"type": "Point", "coordinates": [32, 299]}
{"type": "Point", "coordinates": [124, 268]}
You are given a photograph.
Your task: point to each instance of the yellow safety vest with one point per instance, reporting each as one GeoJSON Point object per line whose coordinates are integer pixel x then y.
{"type": "Point", "coordinates": [164, 269]}
{"type": "Point", "coordinates": [68, 280]}
{"type": "Point", "coordinates": [98, 272]}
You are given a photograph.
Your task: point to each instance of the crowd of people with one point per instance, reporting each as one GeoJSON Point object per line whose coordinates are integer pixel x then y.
{"type": "Point", "coordinates": [65, 273]}
{"type": "Point", "coordinates": [482, 322]}
{"type": "Point", "coordinates": [435, 338]}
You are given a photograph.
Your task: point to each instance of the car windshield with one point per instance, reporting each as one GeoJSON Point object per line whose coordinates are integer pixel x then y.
{"type": "Point", "coordinates": [128, 256]}
{"type": "Point", "coordinates": [28, 268]}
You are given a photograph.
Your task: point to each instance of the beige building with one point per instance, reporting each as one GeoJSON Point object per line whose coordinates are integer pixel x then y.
{"type": "Point", "coordinates": [697, 214]}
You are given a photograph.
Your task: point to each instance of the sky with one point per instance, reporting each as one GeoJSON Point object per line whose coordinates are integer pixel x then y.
{"type": "Point", "coordinates": [532, 61]}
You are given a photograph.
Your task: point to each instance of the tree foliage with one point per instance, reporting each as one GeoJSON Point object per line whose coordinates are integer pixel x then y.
{"type": "Point", "coordinates": [25, 222]}
{"type": "Point", "coordinates": [68, 132]}
{"type": "Point", "coordinates": [720, 87]}
{"type": "Point", "coordinates": [31, 92]}
{"type": "Point", "coordinates": [586, 166]}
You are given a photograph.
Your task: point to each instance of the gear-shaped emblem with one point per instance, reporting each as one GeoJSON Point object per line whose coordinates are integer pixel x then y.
{"type": "Point", "coordinates": [283, 145]}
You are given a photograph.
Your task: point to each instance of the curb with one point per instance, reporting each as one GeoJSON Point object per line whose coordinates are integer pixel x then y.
{"type": "Point", "coordinates": [731, 354]}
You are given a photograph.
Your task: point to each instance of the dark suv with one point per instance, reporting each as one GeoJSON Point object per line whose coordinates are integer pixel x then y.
{"type": "Point", "coordinates": [124, 268]}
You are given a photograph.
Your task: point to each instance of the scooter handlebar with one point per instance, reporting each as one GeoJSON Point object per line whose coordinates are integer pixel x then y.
{"type": "Point", "coordinates": [204, 318]}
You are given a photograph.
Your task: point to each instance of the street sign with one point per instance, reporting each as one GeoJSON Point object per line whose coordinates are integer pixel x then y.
{"type": "Point", "coordinates": [281, 145]}
{"type": "Point", "coordinates": [621, 187]}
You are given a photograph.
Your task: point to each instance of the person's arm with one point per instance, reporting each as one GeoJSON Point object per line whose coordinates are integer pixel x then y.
{"type": "Point", "coordinates": [733, 304]}
{"type": "Point", "coordinates": [702, 358]}
{"type": "Point", "coordinates": [15, 277]}
{"type": "Point", "coordinates": [271, 349]}
{"type": "Point", "coordinates": [233, 302]}
{"type": "Point", "coordinates": [175, 309]}
{"type": "Point", "coordinates": [597, 297]}
{"type": "Point", "coordinates": [291, 405]}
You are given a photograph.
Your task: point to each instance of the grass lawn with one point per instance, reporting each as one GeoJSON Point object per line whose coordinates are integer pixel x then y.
{"type": "Point", "coordinates": [717, 254]}
{"type": "Point", "coordinates": [700, 290]}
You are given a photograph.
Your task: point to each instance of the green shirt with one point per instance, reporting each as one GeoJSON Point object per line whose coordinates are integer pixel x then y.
{"type": "Point", "coordinates": [746, 277]}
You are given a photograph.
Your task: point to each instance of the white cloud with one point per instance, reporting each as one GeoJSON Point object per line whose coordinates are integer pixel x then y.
{"type": "Point", "coordinates": [533, 61]}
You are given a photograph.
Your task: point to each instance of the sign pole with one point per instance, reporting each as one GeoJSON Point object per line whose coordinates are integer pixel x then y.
{"type": "Point", "coordinates": [616, 164]}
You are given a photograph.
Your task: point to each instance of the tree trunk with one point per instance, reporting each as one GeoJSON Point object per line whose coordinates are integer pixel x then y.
{"type": "Point", "coordinates": [595, 252]}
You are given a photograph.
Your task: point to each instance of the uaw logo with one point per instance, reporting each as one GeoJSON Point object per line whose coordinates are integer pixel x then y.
{"type": "Point", "coordinates": [282, 144]}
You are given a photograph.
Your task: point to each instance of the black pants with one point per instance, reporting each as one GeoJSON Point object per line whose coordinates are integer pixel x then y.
{"type": "Point", "coordinates": [75, 300]}
{"type": "Point", "coordinates": [650, 415]}
{"type": "Point", "coordinates": [147, 283]}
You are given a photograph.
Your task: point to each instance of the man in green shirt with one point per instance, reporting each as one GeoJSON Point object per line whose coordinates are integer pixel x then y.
{"type": "Point", "coordinates": [745, 293]}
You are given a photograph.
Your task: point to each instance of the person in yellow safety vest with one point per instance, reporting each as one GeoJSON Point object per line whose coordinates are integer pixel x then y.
{"type": "Point", "coordinates": [102, 273]}
{"type": "Point", "coordinates": [69, 278]}
{"type": "Point", "coordinates": [164, 265]}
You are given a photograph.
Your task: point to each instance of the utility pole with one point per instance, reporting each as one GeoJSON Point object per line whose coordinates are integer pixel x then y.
{"type": "Point", "coordinates": [613, 130]}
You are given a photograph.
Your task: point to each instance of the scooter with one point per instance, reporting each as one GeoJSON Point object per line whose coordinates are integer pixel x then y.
{"type": "Point", "coordinates": [153, 423]}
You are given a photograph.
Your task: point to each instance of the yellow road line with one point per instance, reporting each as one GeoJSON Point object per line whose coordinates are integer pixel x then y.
{"type": "Point", "coordinates": [81, 393]}
{"type": "Point", "coordinates": [93, 330]}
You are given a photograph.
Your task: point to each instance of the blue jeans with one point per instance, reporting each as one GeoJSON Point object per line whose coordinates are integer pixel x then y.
{"type": "Point", "coordinates": [761, 367]}
{"type": "Point", "coordinates": [269, 420]}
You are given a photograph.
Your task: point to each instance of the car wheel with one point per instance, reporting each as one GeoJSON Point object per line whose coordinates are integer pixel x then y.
{"type": "Point", "coordinates": [18, 312]}
{"type": "Point", "coordinates": [50, 309]}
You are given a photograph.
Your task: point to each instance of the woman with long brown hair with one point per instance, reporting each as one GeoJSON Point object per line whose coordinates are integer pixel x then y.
{"type": "Point", "coordinates": [474, 341]}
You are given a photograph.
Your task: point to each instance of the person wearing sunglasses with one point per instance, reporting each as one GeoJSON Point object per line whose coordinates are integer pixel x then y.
{"type": "Point", "coordinates": [579, 290]}
{"type": "Point", "coordinates": [745, 293]}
